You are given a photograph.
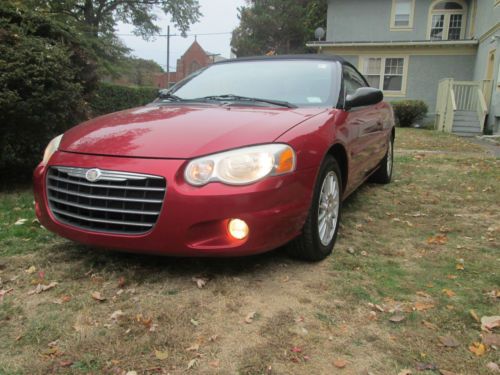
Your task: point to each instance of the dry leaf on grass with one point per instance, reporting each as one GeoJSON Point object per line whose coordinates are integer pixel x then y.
{"type": "Point", "coordinates": [446, 372]}
{"type": "Point", "coordinates": [449, 293]}
{"type": "Point", "coordinates": [117, 315]}
{"type": "Point", "coordinates": [405, 372]}
{"type": "Point", "coordinates": [422, 306]}
{"type": "Point", "coordinates": [493, 367]}
{"type": "Point", "coordinates": [397, 318]}
{"type": "Point", "coordinates": [429, 325]}
{"type": "Point", "coordinates": [30, 270]}
{"type": "Point", "coordinates": [42, 288]}
{"type": "Point", "coordinates": [420, 366]}
{"type": "Point", "coordinates": [449, 341]}
{"type": "Point", "coordinates": [474, 316]}
{"type": "Point", "coordinates": [478, 348]}
{"type": "Point", "coordinates": [98, 296]}
{"type": "Point", "coordinates": [438, 239]}
{"type": "Point", "coordinates": [250, 317]}
{"type": "Point", "coordinates": [161, 355]}
{"type": "Point", "coordinates": [491, 339]}
{"type": "Point", "coordinates": [193, 348]}
{"type": "Point", "coordinates": [194, 322]}
{"type": "Point", "coordinates": [20, 221]}
{"type": "Point", "coordinates": [214, 364]}
{"type": "Point", "coordinates": [192, 363]}
{"type": "Point", "coordinates": [121, 282]}
{"type": "Point", "coordinates": [200, 281]}
{"type": "Point", "coordinates": [296, 349]}
{"type": "Point", "coordinates": [340, 363]}
{"type": "Point", "coordinates": [3, 292]}
{"type": "Point", "coordinates": [488, 323]}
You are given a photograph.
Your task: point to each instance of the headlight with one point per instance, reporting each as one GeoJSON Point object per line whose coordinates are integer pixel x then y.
{"type": "Point", "coordinates": [242, 166]}
{"type": "Point", "coordinates": [51, 148]}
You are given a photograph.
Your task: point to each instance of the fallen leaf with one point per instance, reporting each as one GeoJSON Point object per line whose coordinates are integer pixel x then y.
{"type": "Point", "coordinates": [493, 367]}
{"type": "Point", "coordinates": [200, 281]}
{"type": "Point", "coordinates": [30, 270]}
{"type": "Point", "coordinates": [121, 282]}
{"type": "Point", "coordinates": [449, 293]}
{"type": "Point", "coordinates": [193, 348]}
{"type": "Point", "coordinates": [161, 355]}
{"type": "Point", "coordinates": [397, 318]}
{"type": "Point", "coordinates": [438, 239]}
{"type": "Point", "coordinates": [474, 316]}
{"type": "Point", "coordinates": [296, 349]}
{"type": "Point", "coordinates": [192, 363]}
{"type": "Point", "coordinates": [65, 363]}
{"type": "Point", "coordinates": [422, 306]}
{"type": "Point", "coordinates": [478, 348]}
{"type": "Point", "coordinates": [214, 364]}
{"type": "Point", "coordinates": [213, 338]}
{"type": "Point", "coordinates": [250, 317]}
{"type": "Point", "coordinates": [340, 363]}
{"type": "Point", "coordinates": [20, 221]}
{"type": "Point", "coordinates": [452, 277]}
{"type": "Point", "coordinates": [3, 292]}
{"type": "Point", "coordinates": [195, 322]}
{"type": "Point", "coordinates": [98, 296]}
{"type": "Point", "coordinates": [42, 288]}
{"type": "Point", "coordinates": [491, 339]}
{"type": "Point", "coordinates": [423, 294]}
{"type": "Point", "coordinates": [405, 372]}
{"type": "Point", "coordinates": [489, 323]}
{"type": "Point", "coordinates": [429, 325]}
{"type": "Point", "coordinates": [445, 372]}
{"type": "Point", "coordinates": [449, 341]}
{"type": "Point", "coordinates": [117, 315]}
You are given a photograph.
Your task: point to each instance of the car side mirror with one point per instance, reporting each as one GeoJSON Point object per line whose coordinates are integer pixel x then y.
{"type": "Point", "coordinates": [363, 96]}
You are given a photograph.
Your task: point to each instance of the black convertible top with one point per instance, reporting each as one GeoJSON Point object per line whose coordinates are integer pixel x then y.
{"type": "Point", "coordinates": [310, 56]}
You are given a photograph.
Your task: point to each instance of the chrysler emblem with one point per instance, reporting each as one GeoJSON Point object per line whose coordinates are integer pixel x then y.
{"type": "Point", "coordinates": [93, 175]}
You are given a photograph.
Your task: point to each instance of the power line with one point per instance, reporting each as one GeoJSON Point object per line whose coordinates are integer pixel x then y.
{"type": "Point", "coordinates": [165, 35]}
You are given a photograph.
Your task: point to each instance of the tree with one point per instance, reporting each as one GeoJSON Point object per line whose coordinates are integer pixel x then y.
{"type": "Point", "coordinates": [282, 26]}
{"type": "Point", "coordinates": [96, 21]}
{"type": "Point", "coordinates": [47, 76]}
{"type": "Point", "coordinates": [100, 16]}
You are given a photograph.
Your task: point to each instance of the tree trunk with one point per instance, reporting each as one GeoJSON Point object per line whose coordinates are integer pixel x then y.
{"type": "Point", "coordinates": [90, 18]}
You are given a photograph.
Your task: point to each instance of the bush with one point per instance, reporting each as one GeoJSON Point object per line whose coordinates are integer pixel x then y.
{"type": "Point", "coordinates": [46, 76]}
{"type": "Point", "coordinates": [408, 112]}
{"type": "Point", "coordinates": [111, 98]}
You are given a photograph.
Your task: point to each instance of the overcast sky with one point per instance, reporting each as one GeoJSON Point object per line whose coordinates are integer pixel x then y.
{"type": "Point", "coordinates": [219, 16]}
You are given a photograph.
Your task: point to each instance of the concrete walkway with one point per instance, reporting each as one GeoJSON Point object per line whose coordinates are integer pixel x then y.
{"type": "Point", "coordinates": [492, 147]}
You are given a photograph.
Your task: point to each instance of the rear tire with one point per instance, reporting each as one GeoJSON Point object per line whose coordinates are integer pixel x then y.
{"type": "Point", "coordinates": [383, 175]}
{"type": "Point", "coordinates": [320, 229]}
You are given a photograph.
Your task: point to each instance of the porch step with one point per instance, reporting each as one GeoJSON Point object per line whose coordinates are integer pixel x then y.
{"type": "Point", "coordinates": [466, 124]}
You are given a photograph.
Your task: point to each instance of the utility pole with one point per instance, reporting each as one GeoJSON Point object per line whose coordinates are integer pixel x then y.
{"type": "Point", "coordinates": [168, 57]}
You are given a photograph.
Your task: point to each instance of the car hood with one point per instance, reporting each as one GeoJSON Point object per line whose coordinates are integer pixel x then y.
{"type": "Point", "coordinates": [181, 131]}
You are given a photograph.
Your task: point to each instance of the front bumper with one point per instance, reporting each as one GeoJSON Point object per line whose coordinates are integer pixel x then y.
{"type": "Point", "coordinates": [193, 220]}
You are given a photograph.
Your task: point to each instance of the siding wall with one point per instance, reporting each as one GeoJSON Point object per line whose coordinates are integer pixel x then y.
{"type": "Point", "coordinates": [369, 21]}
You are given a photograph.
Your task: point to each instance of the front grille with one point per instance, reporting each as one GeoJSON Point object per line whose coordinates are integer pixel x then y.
{"type": "Point", "coordinates": [107, 201]}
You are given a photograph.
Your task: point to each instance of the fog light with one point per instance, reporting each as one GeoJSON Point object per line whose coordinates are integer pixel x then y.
{"type": "Point", "coordinates": [238, 229]}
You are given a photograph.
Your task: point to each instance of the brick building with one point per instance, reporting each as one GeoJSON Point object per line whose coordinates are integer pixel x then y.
{"type": "Point", "coordinates": [193, 59]}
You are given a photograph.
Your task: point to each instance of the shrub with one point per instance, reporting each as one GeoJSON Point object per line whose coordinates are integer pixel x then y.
{"type": "Point", "coordinates": [111, 98]}
{"type": "Point", "coordinates": [408, 112]}
{"type": "Point", "coordinates": [46, 75]}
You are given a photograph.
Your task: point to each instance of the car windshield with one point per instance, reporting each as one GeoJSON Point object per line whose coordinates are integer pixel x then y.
{"type": "Point", "coordinates": [298, 82]}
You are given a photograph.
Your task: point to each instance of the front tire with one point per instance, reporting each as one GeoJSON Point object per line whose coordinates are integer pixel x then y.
{"type": "Point", "coordinates": [320, 229]}
{"type": "Point", "coordinates": [383, 175]}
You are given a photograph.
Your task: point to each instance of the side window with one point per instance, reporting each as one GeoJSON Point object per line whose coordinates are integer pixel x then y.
{"type": "Point", "coordinates": [352, 81]}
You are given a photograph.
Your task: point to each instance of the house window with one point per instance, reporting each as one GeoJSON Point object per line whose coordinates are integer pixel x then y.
{"type": "Point", "coordinates": [386, 73]}
{"type": "Point", "coordinates": [447, 20]}
{"type": "Point", "coordinates": [402, 14]}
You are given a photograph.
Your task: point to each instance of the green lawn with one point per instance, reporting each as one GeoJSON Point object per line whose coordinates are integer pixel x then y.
{"type": "Point", "coordinates": [424, 249]}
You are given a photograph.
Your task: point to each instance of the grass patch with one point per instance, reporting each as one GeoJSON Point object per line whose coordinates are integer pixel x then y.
{"type": "Point", "coordinates": [307, 315]}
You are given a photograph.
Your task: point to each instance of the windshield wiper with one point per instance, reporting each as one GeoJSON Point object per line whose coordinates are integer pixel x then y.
{"type": "Point", "coordinates": [238, 98]}
{"type": "Point", "coordinates": [165, 94]}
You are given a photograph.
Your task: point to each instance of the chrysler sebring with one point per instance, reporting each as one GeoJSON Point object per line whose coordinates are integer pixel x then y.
{"type": "Point", "coordinates": [241, 157]}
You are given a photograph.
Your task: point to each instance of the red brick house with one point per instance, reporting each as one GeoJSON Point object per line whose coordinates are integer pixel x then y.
{"type": "Point", "coordinates": [193, 59]}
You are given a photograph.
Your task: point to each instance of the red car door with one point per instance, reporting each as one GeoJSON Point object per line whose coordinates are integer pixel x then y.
{"type": "Point", "coordinates": [366, 131]}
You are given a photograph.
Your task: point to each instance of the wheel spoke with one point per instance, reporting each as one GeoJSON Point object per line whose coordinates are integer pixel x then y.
{"type": "Point", "coordinates": [328, 207]}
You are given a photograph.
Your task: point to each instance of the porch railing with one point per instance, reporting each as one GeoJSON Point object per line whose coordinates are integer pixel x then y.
{"type": "Point", "coordinates": [456, 96]}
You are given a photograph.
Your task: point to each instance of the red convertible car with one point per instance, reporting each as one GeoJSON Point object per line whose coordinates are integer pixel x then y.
{"type": "Point", "coordinates": [239, 158]}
